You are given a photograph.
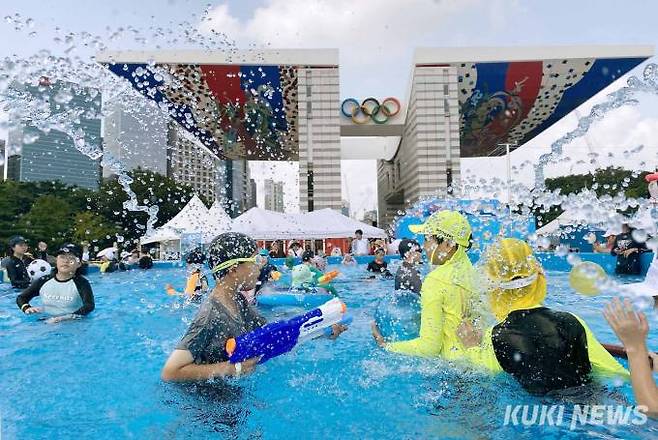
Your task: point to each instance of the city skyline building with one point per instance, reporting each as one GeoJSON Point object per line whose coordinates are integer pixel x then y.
{"type": "Point", "coordinates": [36, 155]}
{"type": "Point", "coordinates": [274, 195]}
{"type": "Point", "coordinates": [135, 133]}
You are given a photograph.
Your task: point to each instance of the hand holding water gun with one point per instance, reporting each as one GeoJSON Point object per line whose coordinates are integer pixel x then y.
{"type": "Point", "coordinates": [280, 337]}
{"type": "Point", "coordinates": [328, 277]}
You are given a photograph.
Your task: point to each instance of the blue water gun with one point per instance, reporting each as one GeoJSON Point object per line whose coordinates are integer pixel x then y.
{"type": "Point", "coordinates": [280, 337]}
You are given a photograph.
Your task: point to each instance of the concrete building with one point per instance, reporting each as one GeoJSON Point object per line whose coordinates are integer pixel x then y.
{"type": "Point", "coordinates": [36, 155]}
{"type": "Point", "coordinates": [3, 160]}
{"type": "Point", "coordinates": [274, 196]}
{"type": "Point", "coordinates": [345, 208]}
{"type": "Point", "coordinates": [252, 200]}
{"type": "Point", "coordinates": [190, 164]}
{"type": "Point", "coordinates": [264, 105]}
{"type": "Point", "coordinates": [466, 102]}
{"type": "Point", "coordinates": [460, 102]}
{"type": "Point", "coordinates": [135, 132]}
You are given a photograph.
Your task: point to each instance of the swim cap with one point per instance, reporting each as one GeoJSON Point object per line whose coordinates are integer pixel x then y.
{"type": "Point", "coordinates": [407, 245]}
{"type": "Point", "coordinates": [228, 246]}
{"type": "Point", "coordinates": [70, 249]}
{"type": "Point", "coordinates": [515, 279]}
{"type": "Point", "coordinates": [449, 224]}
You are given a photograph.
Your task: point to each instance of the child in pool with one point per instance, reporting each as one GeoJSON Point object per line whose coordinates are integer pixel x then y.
{"type": "Point", "coordinates": [544, 349]}
{"type": "Point", "coordinates": [378, 266]}
{"type": "Point", "coordinates": [348, 260]}
{"type": "Point", "coordinates": [65, 294]}
{"type": "Point", "coordinates": [447, 292]}
{"type": "Point", "coordinates": [201, 353]}
{"type": "Point", "coordinates": [632, 328]}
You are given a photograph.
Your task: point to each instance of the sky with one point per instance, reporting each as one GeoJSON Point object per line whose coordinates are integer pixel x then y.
{"type": "Point", "coordinates": [376, 39]}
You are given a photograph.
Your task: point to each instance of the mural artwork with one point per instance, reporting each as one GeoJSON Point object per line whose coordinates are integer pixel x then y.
{"type": "Point", "coordinates": [236, 111]}
{"type": "Point", "coordinates": [515, 101]}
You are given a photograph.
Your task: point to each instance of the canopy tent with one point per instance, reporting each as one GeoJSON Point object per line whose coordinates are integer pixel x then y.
{"type": "Point", "coordinates": [218, 222]}
{"type": "Point", "coordinates": [193, 218]}
{"type": "Point", "coordinates": [261, 224]}
{"type": "Point", "coordinates": [333, 224]}
{"type": "Point", "coordinates": [160, 235]}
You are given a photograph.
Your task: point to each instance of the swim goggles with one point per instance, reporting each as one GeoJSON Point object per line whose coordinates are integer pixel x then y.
{"type": "Point", "coordinates": [517, 283]}
{"type": "Point", "coordinates": [229, 263]}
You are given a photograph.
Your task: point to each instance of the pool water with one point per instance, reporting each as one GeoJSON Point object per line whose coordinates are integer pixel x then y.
{"type": "Point", "coordinates": [100, 377]}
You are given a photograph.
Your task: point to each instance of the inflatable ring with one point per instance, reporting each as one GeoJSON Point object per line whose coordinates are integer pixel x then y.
{"type": "Point", "coordinates": [651, 177]}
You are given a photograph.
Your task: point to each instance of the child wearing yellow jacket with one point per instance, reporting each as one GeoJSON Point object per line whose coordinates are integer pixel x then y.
{"type": "Point", "coordinates": [447, 293]}
{"type": "Point", "coordinates": [543, 349]}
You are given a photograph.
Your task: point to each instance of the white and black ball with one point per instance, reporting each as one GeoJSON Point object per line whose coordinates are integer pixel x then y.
{"type": "Point", "coordinates": [38, 269]}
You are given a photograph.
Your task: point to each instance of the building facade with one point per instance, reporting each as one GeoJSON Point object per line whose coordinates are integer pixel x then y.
{"type": "Point", "coordinates": [468, 102]}
{"type": "Point", "coordinates": [252, 201]}
{"type": "Point", "coordinates": [274, 196]}
{"type": "Point", "coordinates": [135, 132]}
{"type": "Point", "coordinates": [37, 155]}
{"type": "Point", "coordinates": [319, 138]}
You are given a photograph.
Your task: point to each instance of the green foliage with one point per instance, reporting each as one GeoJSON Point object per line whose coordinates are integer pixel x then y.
{"type": "Point", "coordinates": [56, 213]}
{"type": "Point", "coordinates": [93, 228]}
{"type": "Point", "coordinates": [49, 219]}
{"type": "Point", "coordinates": [608, 181]}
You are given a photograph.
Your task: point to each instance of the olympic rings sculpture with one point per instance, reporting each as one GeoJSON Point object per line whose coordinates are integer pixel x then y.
{"type": "Point", "coordinates": [370, 110]}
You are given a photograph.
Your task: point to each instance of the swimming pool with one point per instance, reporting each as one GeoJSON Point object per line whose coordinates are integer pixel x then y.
{"type": "Point", "coordinates": [99, 377]}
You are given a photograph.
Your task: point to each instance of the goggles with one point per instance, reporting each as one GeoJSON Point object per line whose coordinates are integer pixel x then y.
{"type": "Point", "coordinates": [229, 263]}
{"type": "Point", "coordinates": [515, 284]}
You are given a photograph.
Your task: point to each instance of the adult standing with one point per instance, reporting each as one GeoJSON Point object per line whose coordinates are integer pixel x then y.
{"type": "Point", "coordinates": [360, 245]}
{"type": "Point", "coordinates": [628, 251]}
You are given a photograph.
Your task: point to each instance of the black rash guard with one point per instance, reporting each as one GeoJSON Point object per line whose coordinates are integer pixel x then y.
{"type": "Point", "coordinates": [17, 271]}
{"type": "Point", "coordinates": [379, 268]}
{"type": "Point", "coordinates": [73, 296]}
{"type": "Point", "coordinates": [544, 350]}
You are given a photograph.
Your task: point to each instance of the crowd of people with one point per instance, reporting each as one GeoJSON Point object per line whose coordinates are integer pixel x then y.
{"type": "Point", "coordinates": [542, 348]}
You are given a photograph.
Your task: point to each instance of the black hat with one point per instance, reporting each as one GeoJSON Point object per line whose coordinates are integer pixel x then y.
{"type": "Point", "coordinates": [228, 246]}
{"type": "Point", "coordinates": [406, 245]}
{"type": "Point", "coordinates": [16, 239]}
{"type": "Point", "coordinates": [69, 248]}
{"type": "Point", "coordinates": [307, 256]}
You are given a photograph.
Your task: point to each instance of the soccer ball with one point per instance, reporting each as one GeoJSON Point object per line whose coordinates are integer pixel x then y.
{"type": "Point", "coordinates": [38, 269]}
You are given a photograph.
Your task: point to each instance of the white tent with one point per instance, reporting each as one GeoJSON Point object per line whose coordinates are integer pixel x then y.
{"type": "Point", "coordinates": [193, 218]}
{"type": "Point", "coordinates": [218, 222]}
{"type": "Point", "coordinates": [261, 224]}
{"type": "Point", "coordinates": [333, 224]}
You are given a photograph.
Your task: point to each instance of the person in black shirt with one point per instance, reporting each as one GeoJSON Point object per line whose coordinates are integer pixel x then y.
{"type": "Point", "coordinates": [42, 253]}
{"type": "Point", "coordinates": [407, 276]}
{"type": "Point", "coordinates": [378, 265]}
{"type": "Point", "coordinates": [17, 263]}
{"type": "Point", "coordinates": [628, 252]}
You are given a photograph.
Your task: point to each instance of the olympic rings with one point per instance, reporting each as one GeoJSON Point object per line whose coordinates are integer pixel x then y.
{"type": "Point", "coordinates": [370, 110]}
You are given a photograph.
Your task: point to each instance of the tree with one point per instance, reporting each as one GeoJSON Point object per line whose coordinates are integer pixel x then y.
{"type": "Point", "coordinates": [93, 228]}
{"type": "Point", "coordinates": [50, 219]}
{"type": "Point", "coordinates": [151, 189]}
{"type": "Point", "coordinates": [607, 181]}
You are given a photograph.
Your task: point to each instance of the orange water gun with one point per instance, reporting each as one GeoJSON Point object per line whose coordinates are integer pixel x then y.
{"type": "Point", "coordinates": [327, 277]}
